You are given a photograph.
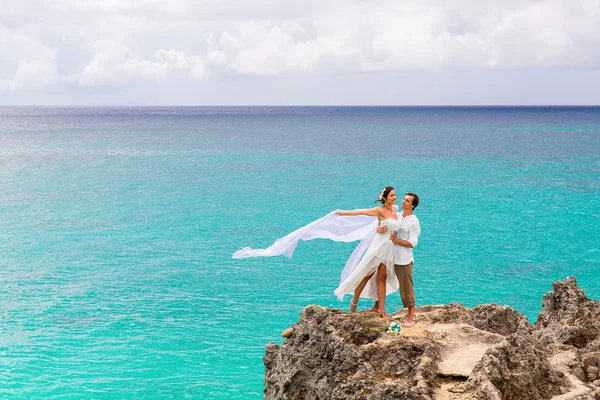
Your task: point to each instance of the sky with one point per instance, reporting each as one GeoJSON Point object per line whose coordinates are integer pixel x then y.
{"type": "Point", "coordinates": [308, 52]}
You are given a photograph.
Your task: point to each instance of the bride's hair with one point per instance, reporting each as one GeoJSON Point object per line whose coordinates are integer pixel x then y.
{"type": "Point", "coordinates": [384, 194]}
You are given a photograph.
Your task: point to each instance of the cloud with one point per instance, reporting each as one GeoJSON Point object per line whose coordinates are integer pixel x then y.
{"type": "Point", "coordinates": [178, 60]}
{"type": "Point", "coordinates": [548, 33]}
{"type": "Point", "coordinates": [115, 63]}
{"type": "Point", "coordinates": [423, 36]}
{"type": "Point", "coordinates": [135, 40]}
{"type": "Point", "coordinates": [33, 64]}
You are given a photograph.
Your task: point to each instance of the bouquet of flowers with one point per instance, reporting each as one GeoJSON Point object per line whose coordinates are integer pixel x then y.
{"type": "Point", "coordinates": [394, 328]}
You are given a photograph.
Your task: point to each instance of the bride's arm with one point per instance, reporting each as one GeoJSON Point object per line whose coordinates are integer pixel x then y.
{"type": "Point", "coordinates": [372, 212]}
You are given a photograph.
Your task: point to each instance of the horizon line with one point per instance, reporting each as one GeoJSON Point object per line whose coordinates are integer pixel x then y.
{"type": "Point", "coordinates": [301, 105]}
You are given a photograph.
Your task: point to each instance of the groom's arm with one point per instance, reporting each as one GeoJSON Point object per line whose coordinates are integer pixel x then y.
{"type": "Point", "coordinates": [400, 242]}
{"type": "Point", "coordinates": [413, 237]}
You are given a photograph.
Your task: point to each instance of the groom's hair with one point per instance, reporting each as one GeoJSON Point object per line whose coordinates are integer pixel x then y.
{"type": "Point", "coordinates": [415, 201]}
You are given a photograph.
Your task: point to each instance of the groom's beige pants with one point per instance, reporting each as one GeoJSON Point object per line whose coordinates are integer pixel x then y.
{"type": "Point", "coordinates": [407, 288]}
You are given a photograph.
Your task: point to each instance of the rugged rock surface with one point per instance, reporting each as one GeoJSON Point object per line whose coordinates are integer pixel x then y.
{"type": "Point", "coordinates": [488, 352]}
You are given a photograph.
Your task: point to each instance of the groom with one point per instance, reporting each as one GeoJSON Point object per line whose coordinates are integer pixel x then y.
{"type": "Point", "coordinates": [406, 238]}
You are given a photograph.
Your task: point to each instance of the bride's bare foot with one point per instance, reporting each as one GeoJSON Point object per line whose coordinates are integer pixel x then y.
{"type": "Point", "coordinates": [375, 307]}
{"type": "Point", "coordinates": [353, 307]}
{"type": "Point", "coordinates": [384, 315]}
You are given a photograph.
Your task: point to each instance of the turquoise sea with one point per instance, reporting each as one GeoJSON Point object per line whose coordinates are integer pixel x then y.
{"type": "Point", "coordinates": [118, 226]}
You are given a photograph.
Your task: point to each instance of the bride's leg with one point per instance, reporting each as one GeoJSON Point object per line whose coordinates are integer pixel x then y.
{"type": "Point", "coordinates": [381, 282]}
{"type": "Point", "coordinates": [357, 292]}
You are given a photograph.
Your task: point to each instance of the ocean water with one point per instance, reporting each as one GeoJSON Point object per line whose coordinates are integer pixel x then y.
{"type": "Point", "coordinates": [118, 226]}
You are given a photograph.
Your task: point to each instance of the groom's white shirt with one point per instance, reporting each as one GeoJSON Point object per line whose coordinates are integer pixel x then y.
{"type": "Point", "coordinates": [409, 230]}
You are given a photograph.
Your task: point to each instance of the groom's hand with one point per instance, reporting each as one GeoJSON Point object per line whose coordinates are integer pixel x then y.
{"type": "Point", "coordinates": [393, 236]}
{"type": "Point", "coordinates": [382, 230]}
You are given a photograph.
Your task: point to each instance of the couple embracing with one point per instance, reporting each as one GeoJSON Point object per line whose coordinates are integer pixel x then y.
{"type": "Point", "coordinates": [388, 262]}
{"type": "Point", "coordinates": [381, 263]}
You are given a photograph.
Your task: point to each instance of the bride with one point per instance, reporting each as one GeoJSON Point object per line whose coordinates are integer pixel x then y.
{"type": "Point", "coordinates": [379, 257]}
{"type": "Point", "coordinates": [374, 253]}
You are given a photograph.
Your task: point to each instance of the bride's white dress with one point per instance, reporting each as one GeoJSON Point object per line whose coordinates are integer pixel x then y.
{"type": "Point", "coordinates": [380, 251]}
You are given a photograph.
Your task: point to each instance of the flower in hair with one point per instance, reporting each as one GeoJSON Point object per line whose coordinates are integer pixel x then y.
{"type": "Point", "coordinates": [381, 194]}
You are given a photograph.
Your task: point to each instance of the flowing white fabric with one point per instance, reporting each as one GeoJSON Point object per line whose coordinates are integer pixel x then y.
{"type": "Point", "coordinates": [331, 226]}
{"type": "Point", "coordinates": [337, 228]}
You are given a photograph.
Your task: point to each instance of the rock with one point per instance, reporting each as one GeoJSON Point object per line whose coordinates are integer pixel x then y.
{"type": "Point", "coordinates": [591, 373]}
{"type": "Point", "coordinates": [462, 347]}
{"type": "Point", "coordinates": [453, 352]}
{"type": "Point", "coordinates": [497, 319]}
{"type": "Point", "coordinates": [568, 316]}
{"type": "Point", "coordinates": [517, 368]}
{"type": "Point", "coordinates": [331, 355]}
{"type": "Point", "coordinates": [578, 372]}
{"type": "Point", "coordinates": [591, 359]}
{"type": "Point", "coordinates": [287, 333]}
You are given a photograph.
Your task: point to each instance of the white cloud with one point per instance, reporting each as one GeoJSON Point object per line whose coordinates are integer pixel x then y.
{"type": "Point", "coordinates": [32, 64]}
{"type": "Point", "coordinates": [217, 58]}
{"type": "Point", "coordinates": [115, 63]}
{"type": "Point", "coordinates": [125, 40]}
{"type": "Point", "coordinates": [549, 33]}
{"type": "Point", "coordinates": [179, 60]}
{"type": "Point", "coordinates": [32, 74]}
{"type": "Point", "coordinates": [176, 58]}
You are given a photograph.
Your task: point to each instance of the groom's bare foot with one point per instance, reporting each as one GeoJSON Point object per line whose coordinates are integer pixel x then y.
{"type": "Point", "coordinates": [408, 324]}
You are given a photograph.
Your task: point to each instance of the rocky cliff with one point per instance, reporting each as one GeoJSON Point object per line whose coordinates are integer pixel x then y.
{"type": "Point", "coordinates": [488, 352]}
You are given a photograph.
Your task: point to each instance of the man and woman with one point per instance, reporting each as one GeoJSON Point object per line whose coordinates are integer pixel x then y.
{"type": "Point", "coordinates": [390, 257]}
